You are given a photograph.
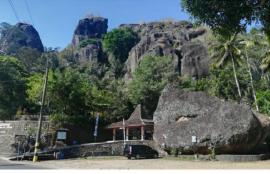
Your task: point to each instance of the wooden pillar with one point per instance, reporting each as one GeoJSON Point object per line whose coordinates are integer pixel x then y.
{"type": "Point", "coordinates": [142, 133]}
{"type": "Point", "coordinates": [114, 134]}
{"type": "Point", "coordinates": [127, 133]}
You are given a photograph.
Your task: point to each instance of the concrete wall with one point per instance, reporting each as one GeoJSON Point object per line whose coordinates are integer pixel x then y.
{"type": "Point", "coordinates": [9, 129]}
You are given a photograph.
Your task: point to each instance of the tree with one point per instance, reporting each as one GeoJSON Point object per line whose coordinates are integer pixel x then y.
{"type": "Point", "coordinates": [264, 17]}
{"type": "Point", "coordinates": [264, 101]}
{"type": "Point", "coordinates": [119, 42]}
{"type": "Point", "coordinates": [224, 51]}
{"type": "Point", "coordinates": [67, 91]}
{"type": "Point", "coordinates": [149, 80]}
{"type": "Point", "coordinates": [252, 43]}
{"type": "Point", "coordinates": [222, 83]}
{"type": "Point", "coordinates": [30, 58]}
{"type": "Point", "coordinates": [12, 86]}
{"type": "Point", "coordinates": [225, 17]}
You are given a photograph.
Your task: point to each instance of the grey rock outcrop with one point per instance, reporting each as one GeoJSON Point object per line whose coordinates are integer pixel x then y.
{"type": "Point", "coordinates": [170, 39]}
{"type": "Point", "coordinates": [90, 53]}
{"type": "Point", "coordinates": [228, 126]}
{"type": "Point", "coordinates": [194, 61]}
{"type": "Point", "coordinates": [91, 27]}
{"type": "Point", "coordinates": [89, 30]}
{"type": "Point", "coordinates": [18, 36]}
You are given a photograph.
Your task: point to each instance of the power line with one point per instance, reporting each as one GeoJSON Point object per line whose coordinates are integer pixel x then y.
{"type": "Point", "coordinates": [14, 10]}
{"type": "Point", "coordinates": [29, 12]}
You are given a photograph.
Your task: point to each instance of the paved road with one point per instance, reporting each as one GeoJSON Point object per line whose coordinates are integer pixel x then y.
{"type": "Point", "coordinates": [5, 164]}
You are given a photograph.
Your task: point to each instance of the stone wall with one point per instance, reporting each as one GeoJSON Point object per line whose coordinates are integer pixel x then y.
{"type": "Point", "coordinates": [102, 149]}
{"type": "Point", "coordinates": [10, 129]}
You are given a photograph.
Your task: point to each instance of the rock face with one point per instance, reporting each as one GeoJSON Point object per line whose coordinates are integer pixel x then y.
{"type": "Point", "coordinates": [171, 39]}
{"type": "Point", "coordinates": [20, 35]}
{"type": "Point", "coordinates": [194, 61]}
{"type": "Point", "coordinates": [227, 126]}
{"type": "Point", "coordinates": [90, 53]}
{"type": "Point", "coordinates": [90, 31]}
{"type": "Point", "coordinates": [92, 27]}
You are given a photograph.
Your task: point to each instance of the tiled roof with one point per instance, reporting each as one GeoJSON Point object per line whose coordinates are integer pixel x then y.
{"type": "Point", "coordinates": [134, 120]}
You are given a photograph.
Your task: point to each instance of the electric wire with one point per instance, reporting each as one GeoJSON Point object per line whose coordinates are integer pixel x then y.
{"type": "Point", "coordinates": [29, 12]}
{"type": "Point", "coordinates": [14, 10]}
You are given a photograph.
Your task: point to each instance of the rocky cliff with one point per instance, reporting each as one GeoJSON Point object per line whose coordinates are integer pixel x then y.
{"type": "Point", "coordinates": [87, 39]}
{"type": "Point", "coordinates": [179, 40]}
{"type": "Point", "coordinates": [227, 126]}
{"type": "Point", "coordinates": [20, 35]}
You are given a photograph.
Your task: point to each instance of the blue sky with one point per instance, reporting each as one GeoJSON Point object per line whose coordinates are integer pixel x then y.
{"type": "Point", "coordinates": [56, 20]}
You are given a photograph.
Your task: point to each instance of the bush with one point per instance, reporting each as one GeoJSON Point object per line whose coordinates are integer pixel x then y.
{"type": "Point", "coordinates": [86, 42]}
{"type": "Point", "coordinates": [152, 75]}
{"type": "Point", "coordinates": [119, 42]}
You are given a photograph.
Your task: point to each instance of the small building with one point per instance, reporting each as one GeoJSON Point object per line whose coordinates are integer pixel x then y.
{"type": "Point", "coordinates": [135, 128]}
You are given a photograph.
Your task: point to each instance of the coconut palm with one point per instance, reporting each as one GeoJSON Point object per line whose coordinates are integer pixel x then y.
{"type": "Point", "coordinates": [247, 45]}
{"type": "Point", "coordinates": [265, 66]}
{"type": "Point", "coordinates": [225, 50]}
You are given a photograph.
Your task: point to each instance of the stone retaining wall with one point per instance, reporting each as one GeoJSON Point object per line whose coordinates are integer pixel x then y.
{"type": "Point", "coordinates": [113, 148]}
{"type": "Point", "coordinates": [9, 129]}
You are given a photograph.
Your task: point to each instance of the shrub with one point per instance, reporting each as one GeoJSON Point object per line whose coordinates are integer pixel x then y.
{"type": "Point", "coordinates": [119, 42]}
{"type": "Point", "coordinates": [86, 42]}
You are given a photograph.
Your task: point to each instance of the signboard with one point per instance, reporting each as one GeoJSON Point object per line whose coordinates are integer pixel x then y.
{"type": "Point", "coordinates": [5, 126]}
{"type": "Point", "coordinates": [2, 132]}
{"type": "Point", "coordinates": [61, 135]}
{"type": "Point", "coordinates": [193, 139]}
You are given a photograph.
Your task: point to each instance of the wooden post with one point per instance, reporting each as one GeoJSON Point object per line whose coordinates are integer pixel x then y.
{"type": "Point", "coordinates": [142, 133]}
{"type": "Point", "coordinates": [127, 134]}
{"type": "Point", "coordinates": [114, 134]}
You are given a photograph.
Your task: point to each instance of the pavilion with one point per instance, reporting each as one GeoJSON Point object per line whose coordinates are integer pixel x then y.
{"type": "Point", "coordinates": [136, 128]}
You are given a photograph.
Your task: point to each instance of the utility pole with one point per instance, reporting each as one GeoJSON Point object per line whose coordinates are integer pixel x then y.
{"type": "Point", "coordinates": [35, 158]}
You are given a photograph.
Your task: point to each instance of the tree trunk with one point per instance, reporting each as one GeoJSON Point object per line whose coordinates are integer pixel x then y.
{"type": "Point", "coordinates": [251, 81]}
{"type": "Point", "coordinates": [235, 76]}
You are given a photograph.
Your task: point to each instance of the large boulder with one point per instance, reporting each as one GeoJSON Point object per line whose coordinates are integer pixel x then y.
{"type": "Point", "coordinates": [170, 39]}
{"type": "Point", "coordinates": [20, 35]}
{"type": "Point", "coordinates": [226, 125]}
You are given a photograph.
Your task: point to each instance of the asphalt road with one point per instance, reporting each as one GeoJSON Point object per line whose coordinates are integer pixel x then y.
{"type": "Point", "coordinates": [14, 165]}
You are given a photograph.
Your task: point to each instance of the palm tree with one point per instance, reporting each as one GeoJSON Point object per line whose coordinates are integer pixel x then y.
{"type": "Point", "coordinates": [265, 66]}
{"type": "Point", "coordinates": [224, 51]}
{"type": "Point", "coordinates": [248, 44]}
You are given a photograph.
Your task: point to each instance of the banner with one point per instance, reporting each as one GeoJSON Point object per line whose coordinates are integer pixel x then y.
{"type": "Point", "coordinates": [96, 126]}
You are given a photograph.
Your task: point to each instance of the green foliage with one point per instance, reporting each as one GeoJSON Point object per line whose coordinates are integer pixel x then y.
{"type": "Point", "coordinates": [263, 98]}
{"type": "Point", "coordinates": [222, 83]}
{"type": "Point", "coordinates": [150, 78]}
{"type": "Point", "coordinates": [34, 88]}
{"type": "Point", "coordinates": [226, 17]}
{"type": "Point", "coordinates": [194, 85]}
{"type": "Point", "coordinates": [84, 43]}
{"type": "Point", "coordinates": [12, 86]}
{"type": "Point", "coordinates": [30, 58]}
{"type": "Point", "coordinates": [119, 42]}
{"type": "Point", "coordinates": [67, 56]}
{"type": "Point", "coordinates": [67, 92]}
{"type": "Point", "coordinates": [116, 67]}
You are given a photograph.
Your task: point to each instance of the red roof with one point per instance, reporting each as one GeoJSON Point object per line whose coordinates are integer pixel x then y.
{"type": "Point", "coordinates": [134, 120]}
